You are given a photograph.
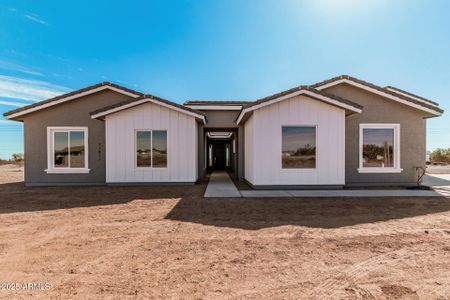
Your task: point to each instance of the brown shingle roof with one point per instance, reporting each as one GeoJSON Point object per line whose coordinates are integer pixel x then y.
{"type": "Point", "coordinates": [37, 104]}
{"type": "Point", "coordinates": [300, 88]}
{"type": "Point", "coordinates": [411, 94]}
{"type": "Point", "coordinates": [307, 88]}
{"type": "Point", "coordinates": [379, 88]}
{"type": "Point", "coordinates": [146, 96]}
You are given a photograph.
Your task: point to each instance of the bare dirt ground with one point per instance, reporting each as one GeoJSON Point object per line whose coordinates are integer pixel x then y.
{"type": "Point", "coordinates": [169, 242]}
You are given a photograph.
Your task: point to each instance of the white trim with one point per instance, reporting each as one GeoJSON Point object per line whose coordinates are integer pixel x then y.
{"type": "Point", "coordinates": [67, 171]}
{"type": "Point", "coordinates": [72, 97]}
{"type": "Point", "coordinates": [397, 158]}
{"type": "Point", "coordinates": [51, 169]}
{"type": "Point", "coordinates": [135, 103]}
{"type": "Point", "coordinates": [379, 170]}
{"type": "Point", "coordinates": [214, 107]}
{"type": "Point", "coordinates": [375, 91]}
{"type": "Point", "coordinates": [411, 96]}
{"type": "Point", "coordinates": [297, 93]}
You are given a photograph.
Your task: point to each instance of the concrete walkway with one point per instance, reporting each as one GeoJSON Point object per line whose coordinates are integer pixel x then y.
{"type": "Point", "coordinates": [220, 185]}
{"type": "Point", "coordinates": [339, 193]}
{"type": "Point", "coordinates": [437, 180]}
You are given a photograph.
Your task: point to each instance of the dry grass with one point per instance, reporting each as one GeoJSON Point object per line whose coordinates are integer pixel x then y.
{"type": "Point", "coordinates": [159, 242]}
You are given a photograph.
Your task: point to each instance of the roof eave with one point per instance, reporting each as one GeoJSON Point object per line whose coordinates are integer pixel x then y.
{"type": "Point", "coordinates": [432, 109]}
{"type": "Point", "coordinates": [102, 113]}
{"type": "Point", "coordinates": [297, 92]}
{"type": "Point", "coordinates": [15, 114]}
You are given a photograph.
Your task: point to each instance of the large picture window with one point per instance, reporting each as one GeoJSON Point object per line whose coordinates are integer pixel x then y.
{"type": "Point", "coordinates": [379, 148]}
{"type": "Point", "coordinates": [67, 150]}
{"type": "Point", "coordinates": [151, 149]}
{"type": "Point", "coordinates": [298, 148]}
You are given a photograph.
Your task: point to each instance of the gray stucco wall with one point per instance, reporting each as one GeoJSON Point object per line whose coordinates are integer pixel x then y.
{"type": "Point", "coordinates": [380, 110]}
{"type": "Point", "coordinates": [72, 113]}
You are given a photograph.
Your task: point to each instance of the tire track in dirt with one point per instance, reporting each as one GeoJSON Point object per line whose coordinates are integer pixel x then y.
{"type": "Point", "coordinates": [331, 286]}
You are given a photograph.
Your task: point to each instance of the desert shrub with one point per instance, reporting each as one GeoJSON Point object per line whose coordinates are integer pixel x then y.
{"type": "Point", "coordinates": [17, 157]}
{"type": "Point", "coordinates": [440, 155]}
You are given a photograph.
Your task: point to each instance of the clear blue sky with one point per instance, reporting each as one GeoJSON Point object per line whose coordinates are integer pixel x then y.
{"type": "Point", "coordinates": [215, 49]}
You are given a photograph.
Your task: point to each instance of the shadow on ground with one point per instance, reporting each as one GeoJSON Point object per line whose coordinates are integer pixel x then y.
{"type": "Point", "coordinates": [15, 197]}
{"type": "Point", "coordinates": [243, 213]}
{"type": "Point", "coordinates": [255, 214]}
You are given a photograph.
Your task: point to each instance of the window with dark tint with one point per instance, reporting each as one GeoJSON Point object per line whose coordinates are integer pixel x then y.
{"type": "Point", "coordinates": [77, 149]}
{"type": "Point", "coordinates": [378, 148]}
{"type": "Point", "coordinates": [143, 149]}
{"type": "Point", "coordinates": [159, 152]}
{"type": "Point", "coordinates": [69, 149]}
{"type": "Point", "coordinates": [298, 147]}
{"type": "Point", "coordinates": [61, 149]}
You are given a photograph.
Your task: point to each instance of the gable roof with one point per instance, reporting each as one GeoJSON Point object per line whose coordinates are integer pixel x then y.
{"type": "Point", "coordinates": [70, 96]}
{"type": "Point", "coordinates": [102, 112]}
{"type": "Point", "coordinates": [398, 95]}
{"type": "Point", "coordinates": [349, 106]}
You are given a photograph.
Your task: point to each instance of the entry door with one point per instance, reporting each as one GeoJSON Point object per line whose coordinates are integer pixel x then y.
{"type": "Point", "coordinates": [220, 155]}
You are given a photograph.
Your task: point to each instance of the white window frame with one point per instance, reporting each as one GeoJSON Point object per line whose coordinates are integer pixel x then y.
{"type": "Point", "coordinates": [51, 169]}
{"type": "Point", "coordinates": [397, 158]}
{"type": "Point", "coordinates": [316, 145]}
{"type": "Point", "coordinates": [151, 149]}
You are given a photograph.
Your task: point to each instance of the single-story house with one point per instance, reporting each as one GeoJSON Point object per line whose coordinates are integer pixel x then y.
{"type": "Point", "coordinates": [339, 132]}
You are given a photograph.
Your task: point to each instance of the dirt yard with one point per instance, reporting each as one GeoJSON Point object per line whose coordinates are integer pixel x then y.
{"type": "Point", "coordinates": [154, 242]}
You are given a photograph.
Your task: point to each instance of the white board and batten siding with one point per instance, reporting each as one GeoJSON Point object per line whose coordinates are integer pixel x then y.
{"type": "Point", "coordinates": [121, 145]}
{"type": "Point", "coordinates": [263, 143]}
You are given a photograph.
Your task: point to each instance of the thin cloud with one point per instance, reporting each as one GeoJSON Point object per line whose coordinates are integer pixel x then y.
{"type": "Point", "coordinates": [10, 103]}
{"type": "Point", "coordinates": [19, 68]}
{"type": "Point", "coordinates": [35, 18]}
{"type": "Point", "coordinates": [28, 89]}
{"type": "Point", "coordinates": [28, 15]}
{"type": "Point", "coordinates": [7, 122]}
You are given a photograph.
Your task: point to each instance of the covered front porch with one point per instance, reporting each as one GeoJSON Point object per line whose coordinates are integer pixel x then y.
{"type": "Point", "coordinates": [221, 150]}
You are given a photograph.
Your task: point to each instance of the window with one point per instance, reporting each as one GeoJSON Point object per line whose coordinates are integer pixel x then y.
{"type": "Point", "coordinates": [298, 147]}
{"type": "Point", "coordinates": [151, 149]}
{"type": "Point", "coordinates": [67, 150]}
{"type": "Point", "coordinates": [210, 155]}
{"type": "Point", "coordinates": [379, 148]}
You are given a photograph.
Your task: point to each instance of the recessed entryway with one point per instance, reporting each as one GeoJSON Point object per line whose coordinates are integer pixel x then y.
{"type": "Point", "coordinates": [220, 152]}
